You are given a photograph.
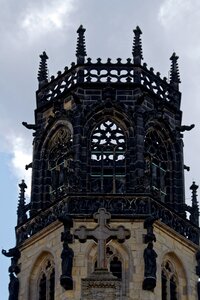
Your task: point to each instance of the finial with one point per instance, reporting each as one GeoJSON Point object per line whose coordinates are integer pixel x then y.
{"type": "Point", "coordinates": [137, 46]}
{"type": "Point", "coordinates": [174, 72]}
{"type": "Point", "coordinates": [43, 70]}
{"type": "Point", "coordinates": [21, 210]}
{"type": "Point", "coordinates": [81, 48]}
{"type": "Point", "coordinates": [194, 217]}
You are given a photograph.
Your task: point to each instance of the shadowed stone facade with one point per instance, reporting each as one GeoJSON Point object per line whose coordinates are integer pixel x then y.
{"type": "Point", "coordinates": [107, 216]}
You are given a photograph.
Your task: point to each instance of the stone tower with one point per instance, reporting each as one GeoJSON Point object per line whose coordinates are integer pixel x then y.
{"type": "Point", "coordinates": [107, 215]}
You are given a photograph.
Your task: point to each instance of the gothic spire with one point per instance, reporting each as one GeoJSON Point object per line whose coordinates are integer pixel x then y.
{"type": "Point", "coordinates": [21, 210]}
{"type": "Point", "coordinates": [43, 70]}
{"type": "Point", "coordinates": [137, 46]}
{"type": "Point", "coordinates": [174, 72]}
{"type": "Point", "coordinates": [194, 217]}
{"type": "Point", "coordinates": [81, 48]}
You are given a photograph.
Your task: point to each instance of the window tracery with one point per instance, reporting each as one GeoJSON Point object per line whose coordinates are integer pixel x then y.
{"type": "Point", "coordinates": [116, 267]}
{"type": "Point", "coordinates": [46, 285]}
{"type": "Point", "coordinates": [114, 262]}
{"type": "Point", "coordinates": [157, 163]}
{"type": "Point", "coordinates": [60, 161]}
{"type": "Point", "coordinates": [108, 150]}
{"type": "Point", "coordinates": [169, 282]}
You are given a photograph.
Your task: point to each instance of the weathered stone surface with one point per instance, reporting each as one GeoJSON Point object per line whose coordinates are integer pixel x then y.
{"type": "Point", "coordinates": [101, 284]}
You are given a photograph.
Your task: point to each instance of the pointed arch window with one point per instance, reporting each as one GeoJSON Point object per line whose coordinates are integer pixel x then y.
{"type": "Point", "coordinates": [157, 163]}
{"type": "Point", "coordinates": [114, 262]}
{"type": "Point", "coordinates": [107, 160]}
{"type": "Point", "coordinates": [169, 282]}
{"type": "Point", "coordinates": [46, 286]}
{"type": "Point", "coordinates": [59, 161]}
{"type": "Point", "coordinates": [116, 267]}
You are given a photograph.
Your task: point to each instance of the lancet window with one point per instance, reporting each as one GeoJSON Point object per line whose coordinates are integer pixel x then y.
{"type": "Point", "coordinates": [169, 282]}
{"type": "Point", "coordinates": [107, 160]}
{"type": "Point", "coordinates": [157, 163]}
{"type": "Point", "coordinates": [116, 267]}
{"type": "Point", "coordinates": [60, 160]}
{"type": "Point", "coordinates": [114, 262]}
{"type": "Point", "coordinates": [46, 285]}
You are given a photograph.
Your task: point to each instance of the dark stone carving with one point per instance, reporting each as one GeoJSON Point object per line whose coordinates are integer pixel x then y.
{"type": "Point", "coordinates": [13, 287]}
{"type": "Point", "coordinates": [61, 165]}
{"type": "Point", "coordinates": [28, 166]}
{"type": "Point", "coordinates": [174, 72]}
{"type": "Point", "coordinates": [15, 254]}
{"type": "Point", "coordinates": [198, 263]}
{"type": "Point", "coordinates": [186, 128]}
{"type": "Point", "coordinates": [22, 207]}
{"type": "Point", "coordinates": [43, 70]}
{"type": "Point", "coordinates": [81, 48]}
{"type": "Point", "coordinates": [129, 207]}
{"type": "Point", "coordinates": [67, 253]}
{"type": "Point", "coordinates": [30, 126]}
{"type": "Point", "coordinates": [150, 256]}
{"type": "Point", "coordinates": [126, 73]}
{"type": "Point", "coordinates": [137, 46]}
{"type": "Point", "coordinates": [194, 217]}
{"type": "Point", "coordinates": [67, 263]}
{"type": "Point", "coordinates": [186, 168]}
{"type": "Point", "coordinates": [148, 224]}
{"type": "Point", "coordinates": [198, 273]}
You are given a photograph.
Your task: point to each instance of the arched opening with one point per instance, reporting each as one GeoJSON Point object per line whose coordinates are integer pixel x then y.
{"type": "Point", "coordinates": [42, 279]}
{"type": "Point", "coordinates": [173, 278]}
{"type": "Point", "coordinates": [42, 287]}
{"type": "Point", "coordinates": [158, 165]}
{"type": "Point", "coordinates": [116, 267]}
{"type": "Point", "coordinates": [118, 261]}
{"type": "Point", "coordinates": [60, 161]}
{"type": "Point", "coordinates": [169, 282]}
{"type": "Point", "coordinates": [108, 158]}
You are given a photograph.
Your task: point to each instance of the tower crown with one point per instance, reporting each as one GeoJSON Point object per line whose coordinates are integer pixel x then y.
{"type": "Point", "coordinates": [108, 135]}
{"type": "Point", "coordinates": [108, 72]}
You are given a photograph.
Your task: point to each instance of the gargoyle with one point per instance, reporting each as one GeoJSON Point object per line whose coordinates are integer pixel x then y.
{"type": "Point", "coordinates": [29, 126]}
{"type": "Point", "coordinates": [15, 254]}
{"type": "Point", "coordinates": [28, 166]}
{"type": "Point", "coordinates": [186, 128]}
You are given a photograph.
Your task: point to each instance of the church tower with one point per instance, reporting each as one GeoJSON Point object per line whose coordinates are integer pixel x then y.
{"type": "Point", "coordinates": [107, 215]}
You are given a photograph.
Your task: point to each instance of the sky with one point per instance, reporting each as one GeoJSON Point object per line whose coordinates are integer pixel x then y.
{"type": "Point", "coordinates": [27, 28]}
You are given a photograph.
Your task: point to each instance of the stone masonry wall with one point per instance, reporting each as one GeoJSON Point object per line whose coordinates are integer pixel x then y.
{"type": "Point", "coordinates": [168, 245]}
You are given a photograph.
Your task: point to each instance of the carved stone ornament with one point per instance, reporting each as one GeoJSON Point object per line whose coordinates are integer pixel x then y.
{"type": "Point", "coordinates": [67, 254]}
{"type": "Point", "coordinates": [101, 284]}
{"type": "Point", "coordinates": [13, 287]}
{"type": "Point", "coordinates": [60, 143]}
{"type": "Point", "coordinates": [150, 268]}
{"type": "Point", "coordinates": [15, 254]}
{"type": "Point", "coordinates": [101, 234]}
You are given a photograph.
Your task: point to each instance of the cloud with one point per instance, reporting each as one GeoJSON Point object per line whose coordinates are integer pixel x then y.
{"type": "Point", "coordinates": [49, 16]}
{"type": "Point", "coordinates": [21, 155]}
{"type": "Point", "coordinates": [181, 22]}
{"type": "Point", "coordinates": [172, 12]}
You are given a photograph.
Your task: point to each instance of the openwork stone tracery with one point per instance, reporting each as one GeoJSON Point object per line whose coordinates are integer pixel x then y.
{"type": "Point", "coordinates": [60, 161]}
{"type": "Point", "coordinates": [169, 282]}
{"type": "Point", "coordinates": [108, 158]}
{"type": "Point", "coordinates": [158, 164]}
